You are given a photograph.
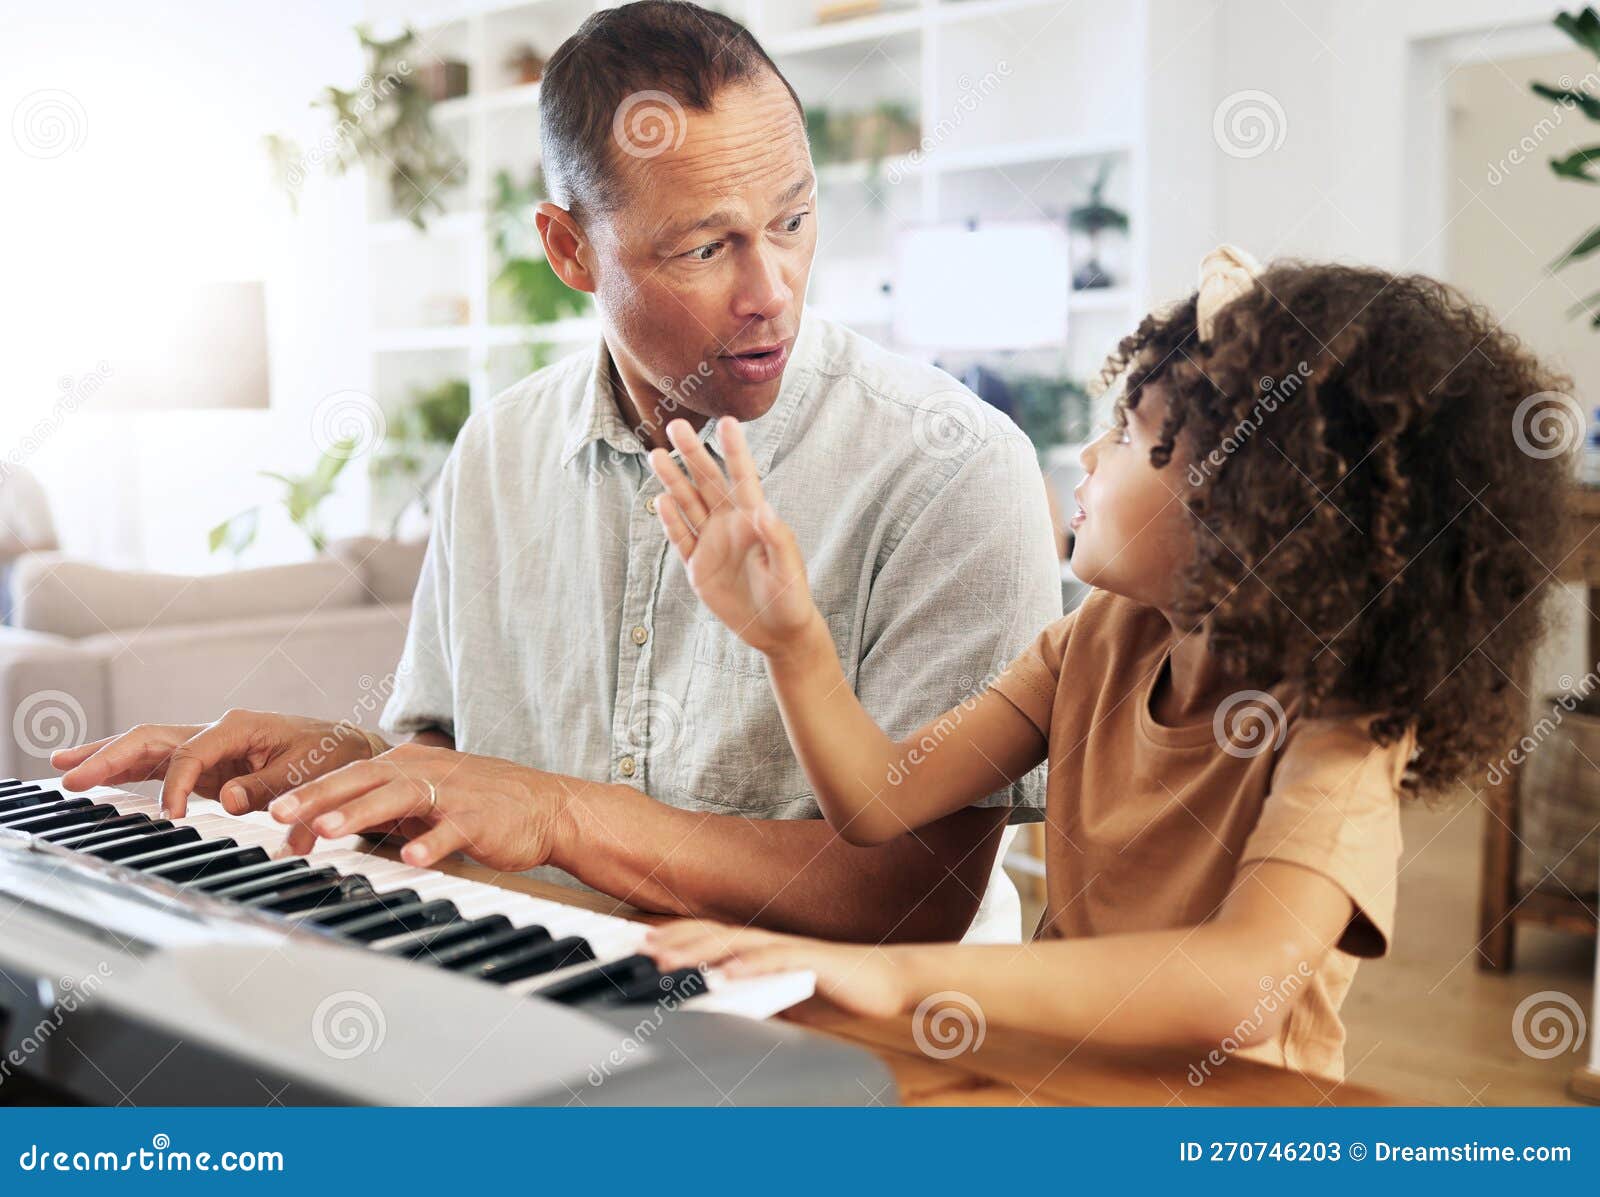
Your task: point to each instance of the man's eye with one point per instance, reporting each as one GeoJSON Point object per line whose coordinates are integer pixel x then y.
{"type": "Point", "coordinates": [793, 224]}
{"type": "Point", "coordinates": [705, 252]}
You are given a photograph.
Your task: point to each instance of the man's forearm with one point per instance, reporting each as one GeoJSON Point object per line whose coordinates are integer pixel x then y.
{"type": "Point", "coordinates": [784, 874]}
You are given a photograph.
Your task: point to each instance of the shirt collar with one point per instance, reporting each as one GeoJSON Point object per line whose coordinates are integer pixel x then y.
{"type": "Point", "coordinates": [598, 417]}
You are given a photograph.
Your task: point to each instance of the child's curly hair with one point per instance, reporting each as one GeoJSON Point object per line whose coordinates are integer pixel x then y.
{"type": "Point", "coordinates": [1378, 529]}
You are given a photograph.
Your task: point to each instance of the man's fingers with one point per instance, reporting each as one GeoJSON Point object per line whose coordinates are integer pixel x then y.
{"type": "Point", "coordinates": [138, 755]}
{"type": "Point", "coordinates": [741, 466]}
{"type": "Point", "coordinates": [433, 845]}
{"type": "Point", "coordinates": [678, 532]}
{"type": "Point", "coordinates": [68, 758]}
{"type": "Point", "coordinates": [255, 791]}
{"type": "Point", "coordinates": [304, 803]}
{"type": "Point", "coordinates": [706, 473]}
{"type": "Point", "coordinates": [395, 800]}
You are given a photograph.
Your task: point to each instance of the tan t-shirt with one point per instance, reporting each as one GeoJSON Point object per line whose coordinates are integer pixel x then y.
{"type": "Point", "coordinates": [1148, 825]}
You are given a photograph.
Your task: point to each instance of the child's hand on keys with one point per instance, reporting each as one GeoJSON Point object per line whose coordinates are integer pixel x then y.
{"type": "Point", "coordinates": [742, 559]}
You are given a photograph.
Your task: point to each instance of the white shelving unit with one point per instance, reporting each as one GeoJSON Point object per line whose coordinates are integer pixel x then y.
{"type": "Point", "coordinates": [1019, 102]}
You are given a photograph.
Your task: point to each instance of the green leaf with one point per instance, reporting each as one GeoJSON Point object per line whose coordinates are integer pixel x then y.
{"type": "Point", "coordinates": [1583, 28]}
{"type": "Point", "coordinates": [1575, 165]}
{"type": "Point", "coordinates": [236, 533]}
{"type": "Point", "coordinates": [1573, 99]}
{"type": "Point", "coordinates": [1584, 246]}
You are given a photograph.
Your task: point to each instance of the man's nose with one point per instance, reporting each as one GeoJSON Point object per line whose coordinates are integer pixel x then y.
{"type": "Point", "coordinates": [763, 291]}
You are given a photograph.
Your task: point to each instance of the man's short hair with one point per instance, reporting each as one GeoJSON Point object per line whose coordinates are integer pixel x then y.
{"type": "Point", "coordinates": [671, 47]}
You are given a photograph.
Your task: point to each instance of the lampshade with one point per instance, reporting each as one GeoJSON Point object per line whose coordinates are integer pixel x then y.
{"type": "Point", "coordinates": [997, 286]}
{"type": "Point", "coordinates": [203, 346]}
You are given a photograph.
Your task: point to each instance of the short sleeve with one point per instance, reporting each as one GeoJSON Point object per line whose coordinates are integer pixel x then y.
{"type": "Point", "coordinates": [1029, 683]}
{"type": "Point", "coordinates": [1334, 808]}
{"type": "Point", "coordinates": [423, 697]}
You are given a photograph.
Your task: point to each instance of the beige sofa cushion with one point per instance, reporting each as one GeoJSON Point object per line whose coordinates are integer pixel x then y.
{"type": "Point", "coordinates": [389, 567]}
{"type": "Point", "coordinates": [76, 599]}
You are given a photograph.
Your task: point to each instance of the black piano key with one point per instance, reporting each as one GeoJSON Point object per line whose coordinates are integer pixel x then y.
{"type": "Point", "coordinates": [161, 856]}
{"type": "Point", "coordinates": [116, 823]}
{"type": "Point", "coordinates": [407, 917]}
{"type": "Point", "coordinates": [628, 981]}
{"type": "Point", "coordinates": [261, 886]}
{"type": "Point", "coordinates": [81, 816]}
{"type": "Point", "coordinates": [418, 944]}
{"type": "Point", "coordinates": [332, 916]}
{"type": "Point", "coordinates": [680, 984]}
{"type": "Point", "coordinates": [257, 872]}
{"type": "Point", "coordinates": [209, 866]}
{"type": "Point", "coordinates": [44, 808]}
{"type": "Point", "coordinates": [311, 893]}
{"type": "Point", "coordinates": [139, 845]}
{"type": "Point", "coordinates": [517, 965]}
{"type": "Point", "coordinates": [100, 837]}
{"type": "Point", "coordinates": [469, 951]}
{"type": "Point", "coordinates": [8, 788]}
{"type": "Point", "coordinates": [27, 798]}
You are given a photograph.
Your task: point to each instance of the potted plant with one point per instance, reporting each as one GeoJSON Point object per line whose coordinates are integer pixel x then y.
{"type": "Point", "coordinates": [384, 124]}
{"type": "Point", "coordinates": [1091, 219]}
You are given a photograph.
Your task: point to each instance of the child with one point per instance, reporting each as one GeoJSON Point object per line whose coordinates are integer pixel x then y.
{"type": "Point", "coordinates": [1317, 541]}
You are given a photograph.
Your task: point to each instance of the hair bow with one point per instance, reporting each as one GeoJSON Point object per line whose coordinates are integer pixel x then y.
{"type": "Point", "coordinates": [1226, 273]}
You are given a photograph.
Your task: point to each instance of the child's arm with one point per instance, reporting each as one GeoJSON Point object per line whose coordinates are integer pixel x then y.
{"type": "Point", "coordinates": [744, 564]}
{"type": "Point", "coordinates": [1234, 977]}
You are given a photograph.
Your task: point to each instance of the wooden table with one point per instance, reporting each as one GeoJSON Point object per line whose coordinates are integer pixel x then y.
{"type": "Point", "coordinates": [1503, 901]}
{"type": "Point", "coordinates": [1010, 1068]}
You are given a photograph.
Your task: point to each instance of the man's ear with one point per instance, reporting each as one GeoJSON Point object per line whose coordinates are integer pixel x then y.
{"type": "Point", "coordinates": [565, 247]}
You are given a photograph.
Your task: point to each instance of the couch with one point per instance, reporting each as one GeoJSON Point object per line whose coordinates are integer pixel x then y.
{"type": "Point", "coordinates": [94, 651]}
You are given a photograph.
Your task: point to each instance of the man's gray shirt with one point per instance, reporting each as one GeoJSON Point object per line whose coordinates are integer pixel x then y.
{"type": "Point", "coordinates": [553, 625]}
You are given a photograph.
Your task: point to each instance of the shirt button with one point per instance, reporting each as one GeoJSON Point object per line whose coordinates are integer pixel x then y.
{"type": "Point", "coordinates": [650, 504]}
{"type": "Point", "coordinates": [641, 634]}
{"type": "Point", "coordinates": [626, 766]}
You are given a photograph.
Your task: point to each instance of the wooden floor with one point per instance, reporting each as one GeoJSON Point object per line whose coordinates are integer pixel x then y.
{"type": "Point", "coordinates": [1424, 1023]}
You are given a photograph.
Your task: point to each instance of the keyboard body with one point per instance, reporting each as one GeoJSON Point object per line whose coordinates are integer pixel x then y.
{"type": "Point", "coordinates": [129, 976]}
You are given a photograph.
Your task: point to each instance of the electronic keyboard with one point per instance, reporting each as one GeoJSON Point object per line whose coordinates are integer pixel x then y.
{"type": "Point", "coordinates": [154, 961]}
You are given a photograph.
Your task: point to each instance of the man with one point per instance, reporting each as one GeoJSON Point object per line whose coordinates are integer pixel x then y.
{"type": "Point", "coordinates": [571, 704]}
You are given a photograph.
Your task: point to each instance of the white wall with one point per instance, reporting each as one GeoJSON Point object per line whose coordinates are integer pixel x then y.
{"type": "Point", "coordinates": [161, 178]}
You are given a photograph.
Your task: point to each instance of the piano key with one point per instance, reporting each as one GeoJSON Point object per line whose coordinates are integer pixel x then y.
{"type": "Point", "coordinates": [138, 845]}
{"type": "Point", "coordinates": [213, 865]}
{"type": "Point", "coordinates": [468, 951]}
{"type": "Point", "coordinates": [628, 981]}
{"type": "Point", "coordinates": [357, 907]}
{"type": "Point", "coordinates": [256, 872]}
{"type": "Point", "coordinates": [101, 836]}
{"type": "Point", "coordinates": [82, 816]}
{"type": "Point", "coordinates": [502, 968]}
{"type": "Point", "coordinates": [45, 808]}
{"type": "Point", "coordinates": [260, 886]}
{"type": "Point", "coordinates": [309, 894]}
{"type": "Point", "coordinates": [114, 823]}
{"type": "Point", "coordinates": [407, 916]}
{"type": "Point", "coordinates": [18, 801]}
{"type": "Point", "coordinates": [424, 940]}
{"type": "Point", "coordinates": [200, 849]}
